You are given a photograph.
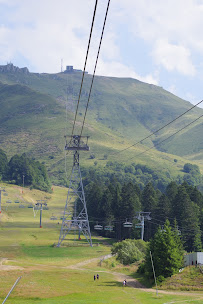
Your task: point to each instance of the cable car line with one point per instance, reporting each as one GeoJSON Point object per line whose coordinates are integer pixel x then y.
{"type": "Point", "coordinates": [140, 141]}
{"type": "Point", "coordinates": [95, 66]}
{"type": "Point", "coordinates": [166, 138]}
{"type": "Point", "coordinates": [90, 36]}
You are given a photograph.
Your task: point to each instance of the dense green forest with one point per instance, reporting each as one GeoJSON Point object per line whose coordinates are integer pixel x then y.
{"type": "Point", "coordinates": [141, 175]}
{"type": "Point", "coordinates": [114, 203]}
{"type": "Point", "coordinates": [34, 172]}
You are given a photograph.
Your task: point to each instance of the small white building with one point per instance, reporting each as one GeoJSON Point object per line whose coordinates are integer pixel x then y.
{"type": "Point", "coordinates": [195, 258]}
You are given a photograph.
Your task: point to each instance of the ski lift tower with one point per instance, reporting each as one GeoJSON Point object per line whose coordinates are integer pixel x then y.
{"type": "Point", "coordinates": [39, 204]}
{"type": "Point", "coordinates": [141, 216]}
{"type": "Point", "coordinates": [76, 218]}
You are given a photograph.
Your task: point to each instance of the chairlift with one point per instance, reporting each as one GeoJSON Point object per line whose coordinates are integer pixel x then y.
{"type": "Point", "coordinates": [21, 206]}
{"type": "Point", "coordinates": [61, 218]}
{"type": "Point", "coordinates": [98, 227]}
{"type": "Point", "coordinates": [30, 206]}
{"type": "Point", "coordinates": [53, 218]}
{"type": "Point", "coordinates": [8, 202]}
{"type": "Point", "coordinates": [127, 224]}
{"type": "Point", "coordinates": [36, 207]}
{"type": "Point", "coordinates": [17, 202]}
{"type": "Point", "coordinates": [108, 228]}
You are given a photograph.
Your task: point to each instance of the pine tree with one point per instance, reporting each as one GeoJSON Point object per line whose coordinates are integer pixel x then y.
{"type": "Point", "coordinates": [187, 214]}
{"type": "Point", "coordinates": [163, 208]}
{"type": "Point", "coordinates": [167, 252]}
{"type": "Point", "coordinates": [3, 165]}
{"type": "Point", "coordinates": [149, 204]}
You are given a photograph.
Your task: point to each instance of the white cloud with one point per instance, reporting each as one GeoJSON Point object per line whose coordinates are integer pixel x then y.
{"type": "Point", "coordinates": [172, 89]}
{"type": "Point", "coordinates": [44, 31]}
{"type": "Point", "coordinates": [120, 70]}
{"type": "Point", "coordinates": [173, 57]}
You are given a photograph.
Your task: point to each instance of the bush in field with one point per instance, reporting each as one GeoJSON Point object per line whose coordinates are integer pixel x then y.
{"type": "Point", "coordinates": [129, 251]}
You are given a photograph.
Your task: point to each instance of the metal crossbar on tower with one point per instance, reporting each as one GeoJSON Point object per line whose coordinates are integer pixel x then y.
{"type": "Point", "coordinates": [76, 218]}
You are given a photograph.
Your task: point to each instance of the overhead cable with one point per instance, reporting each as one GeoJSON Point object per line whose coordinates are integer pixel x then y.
{"type": "Point", "coordinates": [140, 141]}
{"type": "Point", "coordinates": [90, 36]}
{"type": "Point", "coordinates": [95, 66]}
{"type": "Point", "coordinates": [155, 145]}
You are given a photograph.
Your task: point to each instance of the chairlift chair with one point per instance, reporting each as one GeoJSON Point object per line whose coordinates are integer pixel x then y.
{"type": "Point", "coordinates": [98, 227]}
{"type": "Point", "coordinates": [53, 218]}
{"type": "Point", "coordinates": [8, 202]}
{"type": "Point", "coordinates": [17, 202]}
{"type": "Point", "coordinates": [108, 228]}
{"type": "Point", "coordinates": [127, 224]}
{"type": "Point", "coordinates": [21, 206]}
{"type": "Point", "coordinates": [30, 206]}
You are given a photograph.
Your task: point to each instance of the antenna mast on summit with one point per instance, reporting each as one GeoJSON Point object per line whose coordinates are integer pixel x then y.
{"type": "Point", "coordinates": [75, 215]}
{"type": "Point", "coordinates": [61, 65]}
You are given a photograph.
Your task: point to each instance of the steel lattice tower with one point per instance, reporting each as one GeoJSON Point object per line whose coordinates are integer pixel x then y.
{"type": "Point", "coordinates": [76, 218]}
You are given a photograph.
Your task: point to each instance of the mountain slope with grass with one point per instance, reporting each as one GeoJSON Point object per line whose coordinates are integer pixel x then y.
{"type": "Point", "coordinates": [37, 110]}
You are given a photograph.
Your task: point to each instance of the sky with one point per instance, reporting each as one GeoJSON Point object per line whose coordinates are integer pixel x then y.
{"type": "Point", "coordinates": [155, 41]}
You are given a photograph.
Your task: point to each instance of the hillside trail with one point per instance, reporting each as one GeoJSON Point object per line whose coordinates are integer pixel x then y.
{"type": "Point", "coordinates": [131, 282]}
{"type": "Point", "coordinates": [120, 277]}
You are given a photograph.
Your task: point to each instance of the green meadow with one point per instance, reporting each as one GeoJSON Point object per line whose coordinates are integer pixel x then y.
{"type": "Point", "coordinates": [61, 275]}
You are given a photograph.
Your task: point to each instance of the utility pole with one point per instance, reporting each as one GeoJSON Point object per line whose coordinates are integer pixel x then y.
{"type": "Point", "coordinates": [154, 273]}
{"type": "Point", "coordinates": [23, 182]}
{"type": "Point", "coordinates": [41, 203]}
{"type": "Point", "coordinates": [76, 218]}
{"type": "Point", "coordinates": [141, 216]}
{"type": "Point", "coordinates": [1, 189]}
{"type": "Point", "coordinates": [16, 282]}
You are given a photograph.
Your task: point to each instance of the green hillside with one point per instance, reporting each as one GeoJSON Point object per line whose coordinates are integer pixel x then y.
{"type": "Point", "coordinates": [33, 119]}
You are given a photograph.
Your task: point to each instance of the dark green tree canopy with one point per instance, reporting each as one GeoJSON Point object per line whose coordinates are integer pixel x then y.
{"type": "Point", "coordinates": [35, 173]}
{"type": "Point", "coordinates": [166, 249]}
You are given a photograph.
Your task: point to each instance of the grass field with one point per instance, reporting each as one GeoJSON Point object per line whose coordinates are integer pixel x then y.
{"type": "Point", "coordinates": [60, 275]}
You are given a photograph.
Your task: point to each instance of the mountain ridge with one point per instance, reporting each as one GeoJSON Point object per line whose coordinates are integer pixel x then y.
{"type": "Point", "coordinates": [121, 112]}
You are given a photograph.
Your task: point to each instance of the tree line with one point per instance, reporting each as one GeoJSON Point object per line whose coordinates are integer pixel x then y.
{"type": "Point", "coordinates": [141, 174]}
{"type": "Point", "coordinates": [34, 172]}
{"type": "Point", "coordinates": [114, 203]}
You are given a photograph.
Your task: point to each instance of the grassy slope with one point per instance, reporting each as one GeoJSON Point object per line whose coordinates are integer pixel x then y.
{"type": "Point", "coordinates": [122, 104]}
{"type": "Point", "coordinates": [35, 122]}
{"type": "Point", "coordinates": [45, 278]}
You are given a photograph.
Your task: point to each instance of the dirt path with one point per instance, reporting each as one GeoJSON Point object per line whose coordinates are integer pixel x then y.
{"type": "Point", "coordinates": [120, 277]}
{"type": "Point", "coordinates": [131, 282]}
{"type": "Point", "coordinates": [8, 267]}
{"type": "Point", "coordinates": [86, 262]}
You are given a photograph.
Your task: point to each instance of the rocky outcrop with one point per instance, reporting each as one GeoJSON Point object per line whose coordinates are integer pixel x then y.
{"type": "Point", "coordinates": [10, 68]}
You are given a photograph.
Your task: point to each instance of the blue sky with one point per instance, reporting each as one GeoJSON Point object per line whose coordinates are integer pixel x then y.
{"type": "Point", "coordinates": [155, 41]}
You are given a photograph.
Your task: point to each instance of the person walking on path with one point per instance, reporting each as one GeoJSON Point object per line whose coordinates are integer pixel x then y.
{"type": "Point", "coordinates": [124, 283]}
{"type": "Point", "coordinates": [97, 277]}
{"type": "Point", "coordinates": [94, 277]}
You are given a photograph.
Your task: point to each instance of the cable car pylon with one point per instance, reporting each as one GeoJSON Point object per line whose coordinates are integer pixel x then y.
{"type": "Point", "coordinates": [75, 215]}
